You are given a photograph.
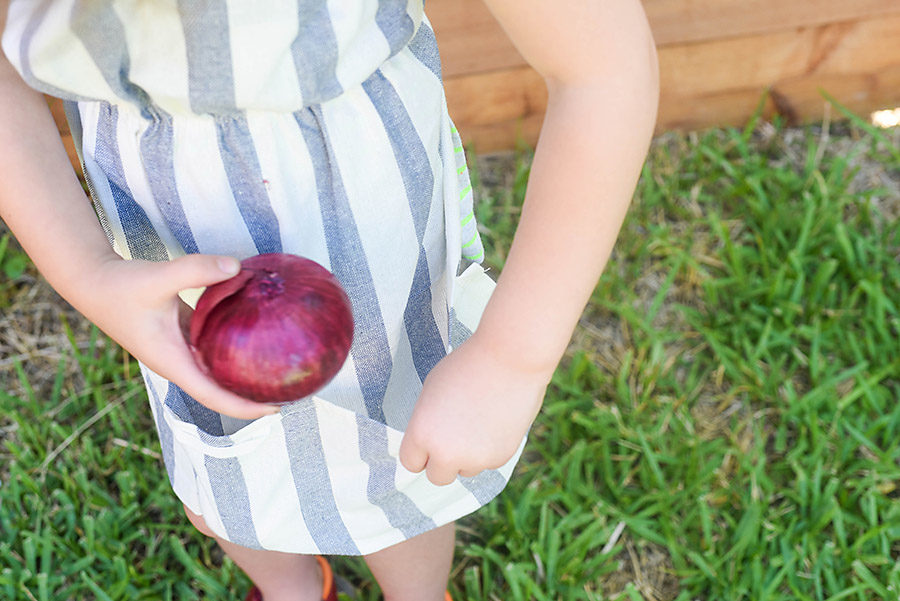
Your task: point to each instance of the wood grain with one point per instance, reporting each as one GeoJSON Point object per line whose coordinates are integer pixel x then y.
{"type": "Point", "coordinates": [680, 21]}
{"type": "Point", "coordinates": [713, 83]}
{"type": "Point", "coordinates": [472, 41]}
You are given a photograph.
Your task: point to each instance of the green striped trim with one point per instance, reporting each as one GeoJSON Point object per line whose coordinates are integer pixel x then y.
{"type": "Point", "coordinates": [471, 241]}
{"type": "Point", "coordinates": [468, 218]}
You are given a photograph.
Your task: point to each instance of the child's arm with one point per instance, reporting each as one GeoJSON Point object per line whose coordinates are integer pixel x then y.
{"type": "Point", "coordinates": [134, 302]}
{"type": "Point", "coordinates": [599, 62]}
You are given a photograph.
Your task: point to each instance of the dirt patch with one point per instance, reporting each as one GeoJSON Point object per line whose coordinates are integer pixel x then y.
{"type": "Point", "coordinates": [646, 568]}
{"type": "Point", "coordinates": [37, 332]}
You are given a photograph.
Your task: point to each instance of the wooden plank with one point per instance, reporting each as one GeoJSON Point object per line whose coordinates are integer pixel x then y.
{"type": "Point", "coordinates": [678, 21]}
{"type": "Point", "coordinates": [712, 83]}
{"type": "Point", "coordinates": [499, 96]}
{"type": "Point", "coordinates": [767, 59]}
{"type": "Point", "coordinates": [497, 110]}
{"type": "Point", "coordinates": [798, 101]}
{"type": "Point", "coordinates": [471, 40]}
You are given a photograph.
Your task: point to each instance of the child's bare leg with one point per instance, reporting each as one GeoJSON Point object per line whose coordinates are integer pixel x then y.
{"type": "Point", "coordinates": [279, 576]}
{"type": "Point", "coordinates": [416, 569]}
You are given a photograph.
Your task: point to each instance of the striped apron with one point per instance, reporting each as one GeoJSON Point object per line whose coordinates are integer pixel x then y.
{"type": "Point", "coordinates": [314, 127]}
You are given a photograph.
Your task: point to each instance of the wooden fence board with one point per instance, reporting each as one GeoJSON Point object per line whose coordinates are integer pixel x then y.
{"type": "Point", "coordinates": [472, 41]}
{"type": "Point", "coordinates": [680, 21]}
{"type": "Point", "coordinates": [717, 82]}
{"type": "Point", "coordinates": [769, 59]}
{"type": "Point", "coordinates": [494, 110]}
{"type": "Point", "coordinates": [799, 100]}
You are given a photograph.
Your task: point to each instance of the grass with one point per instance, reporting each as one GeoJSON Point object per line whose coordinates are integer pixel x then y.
{"type": "Point", "coordinates": [725, 426]}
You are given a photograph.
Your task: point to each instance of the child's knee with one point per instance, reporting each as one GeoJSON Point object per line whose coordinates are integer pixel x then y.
{"type": "Point", "coordinates": [198, 522]}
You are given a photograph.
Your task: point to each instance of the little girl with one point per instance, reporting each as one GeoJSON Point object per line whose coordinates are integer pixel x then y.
{"type": "Point", "coordinates": [214, 130]}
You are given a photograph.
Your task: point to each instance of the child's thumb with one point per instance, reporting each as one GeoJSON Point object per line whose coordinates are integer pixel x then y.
{"type": "Point", "coordinates": [197, 271]}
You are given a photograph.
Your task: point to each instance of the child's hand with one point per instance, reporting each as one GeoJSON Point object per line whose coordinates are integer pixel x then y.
{"type": "Point", "coordinates": [134, 302]}
{"type": "Point", "coordinates": [137, 304]}
{"type": "Point", "coordinates": [473, 412]}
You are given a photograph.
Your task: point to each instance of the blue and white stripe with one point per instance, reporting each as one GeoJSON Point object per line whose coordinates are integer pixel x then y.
{"type": "Point", "coordinates": [315, 127]}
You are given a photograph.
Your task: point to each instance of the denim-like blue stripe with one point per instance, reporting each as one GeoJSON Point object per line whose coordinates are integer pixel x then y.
{"type": "Point", "coordinates": [370, 350]}
{"type": "Point", "coordinates": [188, 410]}
{"type": "Point", "coordinates": [313, 483]}
{"type": "Point", "coordinates": [418, 179]}
{"type": "Point", "coordinates": [315, 53]}
{"type": "Point", "coordinates": [484, 486]}
{"type": "Point", "coordinates": [104, 39]}
{"type": "Point", "coordinates": [409, 151]}
{"type": "Point", "coordinates": [395, 23]}
{"type": "Point", "coordinates": [207, 41]}
{"type": "Point", "coordinates": [73, 117]}
{"type": "Point", "coordinates": [103, 36]}
{"type": "Point", "coordinates": [381, 489]}
{"type": "Point", "coordinates": [211, 88]}
{"type": "Point", "coordinates": [424, 47]}
{"type": "Point", "coordinates": [166, 439]}
{"type": "Point", "coordinates": [143, 241]}
{"type": "Point", "coordinates": [459, 333]}
{"type": "Point", "coordinates": [157, 151]}
{"type": "Point", "coordinates": [232, 500]}
{"type": "Point", "coordinates": [245, 178]}
{"type": "Point", "coordinates": [421, 327]}
{"type": "Point", "coordinates": [109, 50]}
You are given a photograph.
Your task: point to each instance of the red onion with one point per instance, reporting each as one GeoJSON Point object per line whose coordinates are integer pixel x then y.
{"type": "Point", "coordinates": [276, 332]}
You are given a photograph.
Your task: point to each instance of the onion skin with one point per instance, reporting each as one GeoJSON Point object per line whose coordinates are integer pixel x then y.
{"type": "Point", "coordinates": [278, 331]}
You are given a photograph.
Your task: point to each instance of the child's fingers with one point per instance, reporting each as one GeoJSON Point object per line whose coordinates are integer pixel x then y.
{"type": "Point", "coordinates": [412, 456]}
{"type": "Point", "coordinates": [440, 473]}
{"type": "Point", "coordinates": [196, 271]}
{"type": "Point", "coordinates": [416, 459]}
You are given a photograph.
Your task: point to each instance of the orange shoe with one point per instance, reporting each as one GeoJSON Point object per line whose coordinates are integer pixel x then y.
{"type": "Point", "coordinates": [447, 596]}
{"type": "Point", "coordinates": [329, 590]}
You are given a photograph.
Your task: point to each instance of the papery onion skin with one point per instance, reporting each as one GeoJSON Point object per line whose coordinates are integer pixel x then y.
{"type": "Point", "coordinates": [278, 331]}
